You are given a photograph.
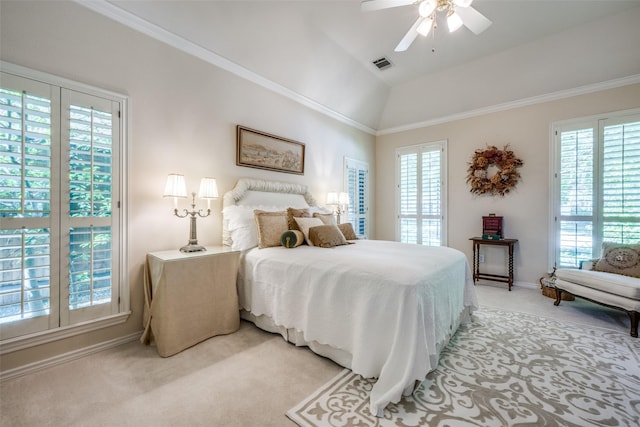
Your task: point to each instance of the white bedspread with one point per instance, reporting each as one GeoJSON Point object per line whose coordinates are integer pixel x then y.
{"type": "Point", "coordinates": [392, 306]}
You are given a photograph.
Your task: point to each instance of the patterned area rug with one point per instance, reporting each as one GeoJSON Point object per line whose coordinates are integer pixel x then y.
{"type": "Point", "coordinates": [503, 369]}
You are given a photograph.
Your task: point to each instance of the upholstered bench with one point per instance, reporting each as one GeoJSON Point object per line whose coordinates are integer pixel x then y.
{"type": "Point", "coordinates": [608, 288]}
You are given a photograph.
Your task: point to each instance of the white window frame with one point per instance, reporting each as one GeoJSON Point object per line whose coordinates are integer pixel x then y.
{"type": "Point", "coordinates": [122, 310]}
{"type": "Point", "coordinates": [358, 166]}
{"type": "Point", "coordinates": [418, 149]}
{"type": "Point", "coordinates": [597, 123]}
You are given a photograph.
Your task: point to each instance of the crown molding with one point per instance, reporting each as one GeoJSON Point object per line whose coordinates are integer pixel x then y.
{"type": "Point", "coordinates": [130, 20]}
{"type": "Point", "coordinates": [553, 96]}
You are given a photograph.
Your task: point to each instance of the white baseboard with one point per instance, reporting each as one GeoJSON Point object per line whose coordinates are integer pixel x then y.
{"type": "Point", "coordinates": [66, 357]}
{"type": "Point", "coordinates": [527, 285]}
{"type": "Point", "coordinates": [518, 284]}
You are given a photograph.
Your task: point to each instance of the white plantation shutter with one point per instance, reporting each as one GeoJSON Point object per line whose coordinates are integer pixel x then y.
{"type": "Point", "coordinates": [408, 217]}
{"type": "Point", "coordinates": [431, 197]}
{"type": "Point", "coordinates": [26, 141]}
{"type": "Point", "coordinates": [28, 263]}
{"type": "Point", "coordinates": [621, 181]}
{"type": "Point", "coordinates": [421, 197]}
{"type": "Point", "coordinates": [90, 127]}
{"type": "Point", "coordinates": [597, 187]}
{"type": "Point", "coordinates": [357, 187]}
{"type": "Point", "coordinates": [59, 183]}
{"type": "Point", "coordinates": [577, 190]}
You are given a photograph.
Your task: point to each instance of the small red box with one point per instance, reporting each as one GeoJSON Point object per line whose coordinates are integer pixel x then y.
{"type": "Point", "coordinates": [492, 226]}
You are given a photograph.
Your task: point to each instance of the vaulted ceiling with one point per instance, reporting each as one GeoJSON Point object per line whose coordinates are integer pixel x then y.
{"type": "Point", "coordinates": [322, 51]}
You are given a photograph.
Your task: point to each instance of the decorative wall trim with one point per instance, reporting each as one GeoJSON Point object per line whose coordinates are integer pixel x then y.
{"type": "Point", "coordinates": [553, 96]}
{"type": "Point", "coordinates": [132, 21]}
{"type": "Point", "coordinates": [66, 357]}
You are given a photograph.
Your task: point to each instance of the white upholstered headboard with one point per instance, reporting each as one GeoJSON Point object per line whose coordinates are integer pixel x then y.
{"type": "Point", "coordinates": [263, 194]}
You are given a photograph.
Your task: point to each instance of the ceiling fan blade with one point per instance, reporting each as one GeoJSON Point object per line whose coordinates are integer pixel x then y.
{"type": "Point", "coordinates": [473, 20]}
{"type": "Point", "coordinates": [409, 37]}
{"type": "Point", "coordinates": [369, 5]}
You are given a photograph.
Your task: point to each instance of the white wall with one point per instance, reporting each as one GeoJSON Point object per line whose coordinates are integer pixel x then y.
{"type": "Point", "coordinates": [183, 114]}
{"type": "Point", "coordinates": [525, 210]}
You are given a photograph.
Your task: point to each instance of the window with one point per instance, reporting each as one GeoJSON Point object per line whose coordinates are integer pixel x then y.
{"type": "Point", "coordinates": [421, 195]}
{"type": "Point", "coordinates": [596, 179]}
{"type": "Point", "coordinates": [357, 185]}
{"type": "Point", "coordinates": [60, 181]}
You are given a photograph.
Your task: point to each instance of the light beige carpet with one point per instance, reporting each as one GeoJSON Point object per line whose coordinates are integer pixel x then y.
{"type": "Point", "coordinates": [504, 369]}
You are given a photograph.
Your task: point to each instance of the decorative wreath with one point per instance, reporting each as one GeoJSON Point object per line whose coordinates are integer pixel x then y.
{"type": "Point", "coordinates": [503, 180]}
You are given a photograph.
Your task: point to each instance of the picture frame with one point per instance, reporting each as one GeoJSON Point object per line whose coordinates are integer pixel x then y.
{"type": "Point", "coordinates": [256, 149]}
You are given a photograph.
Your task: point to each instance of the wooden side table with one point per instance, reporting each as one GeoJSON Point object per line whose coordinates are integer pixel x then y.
{"type": "Point", "coordinates": [509, 243]}
{"type": "Point", "coordinates": [189, 297]}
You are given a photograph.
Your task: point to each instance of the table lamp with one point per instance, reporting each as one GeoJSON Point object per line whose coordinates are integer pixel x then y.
{"type": "Point", "coordinates": [176, 187]}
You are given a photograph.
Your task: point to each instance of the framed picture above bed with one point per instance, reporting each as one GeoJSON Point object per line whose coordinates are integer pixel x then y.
{"type": "Point", "coordinates": [261, 150]}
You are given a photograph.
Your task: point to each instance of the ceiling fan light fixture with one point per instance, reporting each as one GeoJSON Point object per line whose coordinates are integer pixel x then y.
{"type": "Point", "coordinates": [427, 7]}
{"type": "Point", "coordinates": [454, 22]}
{"type": "Point", "coordinates": [425, 26]}
{"type": "Point", "coordinates": [463, 3]}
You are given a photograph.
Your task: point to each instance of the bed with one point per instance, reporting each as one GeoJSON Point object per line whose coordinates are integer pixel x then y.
{"type": "Point", "coordinates": [383, 309]}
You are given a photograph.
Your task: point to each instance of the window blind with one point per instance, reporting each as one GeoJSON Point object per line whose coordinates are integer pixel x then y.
{"type": "Point", "coordinates": [25, 154]}
{"type": "Point", "coordinates": [621, 183]}
{"type": "Point", "coordinates": [25, 204]}
{"type": "Point", "coordinates": [59, 237]}
{"type": "Point", "coordinates": [598, 187]}
{"type": "Point", "coordinates": [577, 195]}
{"type": "Point", "coordinates": [357, 187]}
{"type": "Point", "coordinates": [420, 197]}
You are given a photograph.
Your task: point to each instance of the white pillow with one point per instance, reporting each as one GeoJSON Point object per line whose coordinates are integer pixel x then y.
{"type": "Point", "coordinates": [244, 238]}
{"type": "Point", "coordinates": [305, 224]}
{"type": "Point", "coordinates": [241, 225]}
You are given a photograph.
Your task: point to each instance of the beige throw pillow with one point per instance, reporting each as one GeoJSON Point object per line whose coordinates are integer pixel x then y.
{"type": "Point", "coordinates": [326, 236]}
{"type": "Point", "coordinates": [271, 225]}
{"type": "Point", "coordinates": [305, 223]}
{"type": "Point", "coordinates": [347, 231]}
{"type": "Point", "coordinates": [296, 213]}
{"type": "Point", "coordinates": [620, 259]}
{"type": "Point", "coordinates": [328, 219]}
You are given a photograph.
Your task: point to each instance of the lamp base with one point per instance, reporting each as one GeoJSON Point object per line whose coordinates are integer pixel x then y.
{"type": "Point", "coordinates": [192, 248]}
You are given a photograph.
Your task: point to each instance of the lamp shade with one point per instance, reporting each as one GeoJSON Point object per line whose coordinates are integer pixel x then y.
{"type": "Point", "coordinates": [332, 198]}
{"type": "Point", "coordinates": [176, 186]}
{"type": "Point", "coordinates": [343, 198]}
{"type": "Point", "coordinates": [208, 188]}
{"type": "Point", "coordinates": [427, 7]}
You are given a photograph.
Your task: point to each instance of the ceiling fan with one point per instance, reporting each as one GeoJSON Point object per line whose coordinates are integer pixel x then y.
{"type": "Point", "coordinates": [458, 13]}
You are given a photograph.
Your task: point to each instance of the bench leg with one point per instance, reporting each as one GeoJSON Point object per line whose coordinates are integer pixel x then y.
{"type": "Point", "coordinates": [558, 297]}
{"type": "Point", "coordinates": [634, 317]}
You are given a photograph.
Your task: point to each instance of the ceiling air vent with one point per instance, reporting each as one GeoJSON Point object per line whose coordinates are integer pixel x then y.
{"type": "Point", "coordinates": [382, 63]}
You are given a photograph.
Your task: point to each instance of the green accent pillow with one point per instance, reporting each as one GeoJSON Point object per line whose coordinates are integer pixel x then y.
{"type": "Point", "coordinates": [292, 238]}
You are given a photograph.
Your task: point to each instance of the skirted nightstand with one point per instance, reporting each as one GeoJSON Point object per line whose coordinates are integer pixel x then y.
{"type": "Point", "coordinates": [189, 297]}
